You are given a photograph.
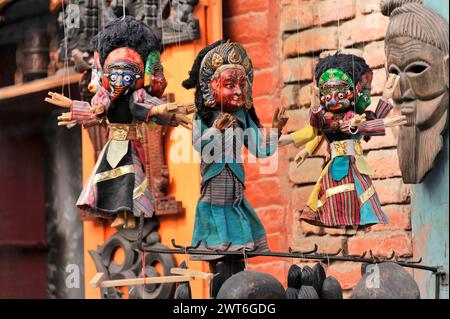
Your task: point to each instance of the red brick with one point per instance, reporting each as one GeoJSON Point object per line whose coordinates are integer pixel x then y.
{"type": "Point", "coordinates": [296, 17]}
{"type": "Point", "coordinates": [363, 29]}
{"type": "Point", "coordinates": [326, 244]}
{"type": "Point", "coordinates": [298, 119]}
{"type": "Point", "coordinates": [258, 195]}
{"type": "Point", "coordinates": [327, 53]}
{"type": "Point", "coordinates": [278, 269]}
{"type": "Point", "coordinates": [381, 243]}
{"type": "Point", "coordinates": [304, 96]}
{"type": "Point", "coordinates": [374, 54]}
{"type": "Point", "coordinates": [289, 96]}
{"type": "Point", "coordinates": [237, 7]}
{"type": "Point", "coordinates": [307, 173]}
{"type": "Point", "coordinates": [288, 2]}
{"type": "Point", "coordinates": [247, 28]}
{"type": "Point", "coordinates": [311, 40]}
{"type": "Point", "coordinates": [392, 191]}
{"type": "Point", "coordinates": [265, 108]}
{"type": "Point", "coordinates": [265, 82]}
{"type": "Point", "coordinates": [300, 196]}
{"type": "Point", "coordinates": [377, 142]}
{"type": "Point", "coordinates": [399, 218]}
{"type": "Point", "coordinates": [368, 6]}
{"type": "Point", "coordinates": [384, 163]}
{"type": "Point", "coordinates": [347, 274]}
{"type": "Point", "coordinates": [272, 217]}
{"type": "Point", "coordinates": [297, 69]}
{"type": "Point", "coordinates": [379, 78]}
{"type": "Point", "coordinates": [276, 242]}
{"type": "Point", "coordinates": [261, 54]}
{"type": "Point", "coordinates": [332, 10]}
{"type": "Point", "coordinates": [309, 230]}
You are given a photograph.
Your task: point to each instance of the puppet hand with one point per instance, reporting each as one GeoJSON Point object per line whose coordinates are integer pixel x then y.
{"type": "Point", "coordinates": [58, 100]}
{"type": "Point", "coordinates": [397, 120]}
{"type": "Point", "coordinates": [225, 121]}
{"type": "Point", "coordinates": [66, 119]}
{"type": "Point", "coordinates": [98, 109]}
{"type": "Point", "coordinates": [184, 121]}
{"type": "Point", "coordinates": [390, 85]}
{"type": "Point", "coordinates": [174, 108]}
{"type": "Point", "coordinates": [315, 99]}
{"type": "Point", "coordinates": [358, 120]}
{"type": "Point", "coordinates": [366, 82]}
{"type": "Point", "coordinates": [301, 157]}
{"type": "Point", "coordinates": [279, 120]}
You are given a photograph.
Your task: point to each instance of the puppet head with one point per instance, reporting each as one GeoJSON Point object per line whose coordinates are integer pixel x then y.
{"type": "Point", "coordinates": [223, 76]}
{"type": "Point", "coordinates": [123, 46]}
{"type": "Point", "coordinates": [122, 72]}
{"type": "Point", "coordinates": [344, 83]}
{"type": "Point", "coordinates": [154, 80]}
{"type": "Point", "coordinates": [417, 50]}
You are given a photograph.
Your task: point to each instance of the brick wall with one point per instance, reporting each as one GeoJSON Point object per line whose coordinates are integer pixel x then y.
{"type": "Point", "coordinates": [285, 38]}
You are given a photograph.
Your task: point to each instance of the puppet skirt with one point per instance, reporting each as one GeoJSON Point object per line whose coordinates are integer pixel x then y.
{"type": "Point", "coordinates": [224, 216]}
{"type": "Point", "coordinates": [124, 187]}
{"type": "Point", "coordinates": [344, 196]}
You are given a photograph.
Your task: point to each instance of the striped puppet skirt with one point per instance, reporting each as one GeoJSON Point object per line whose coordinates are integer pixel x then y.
{"type": "Point", "coordinates": [224, 216]}
{"type": "Point", "coordinates": [118, 183]}
{"type": "Point", "coordinates": [344, 196]}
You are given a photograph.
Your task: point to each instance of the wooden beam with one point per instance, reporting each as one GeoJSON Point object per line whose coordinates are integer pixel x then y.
{"type": "Point", "coordinates": [192, 273]}
{"type": "Point", "coordinates": [143, 281]}
{"type": "Point", "coordinates": [97, 280]}
{"type": "Point", "coordinates": [48, 83]}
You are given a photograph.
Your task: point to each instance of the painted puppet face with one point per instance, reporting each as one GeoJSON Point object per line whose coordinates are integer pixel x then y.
{"type": "Point", "coordinates": [154, 79]}
{"type": "Point", "coordinates": [123, 71]}
{"type": "Point", "coordinates": [121, 79]}
{"type": "Point", "coordinates": [336, 91]}
{"type": "Point", "coordinates": [230, 89]}
{"type": "Point", "coordinates": [422, 93]}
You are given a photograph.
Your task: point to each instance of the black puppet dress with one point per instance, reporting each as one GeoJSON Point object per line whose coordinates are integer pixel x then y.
{"type": "Point", "coordinates": [118, 182]}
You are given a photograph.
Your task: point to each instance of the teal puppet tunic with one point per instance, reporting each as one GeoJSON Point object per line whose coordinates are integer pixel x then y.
{"type": "Point", "coordinates": [223, 214]}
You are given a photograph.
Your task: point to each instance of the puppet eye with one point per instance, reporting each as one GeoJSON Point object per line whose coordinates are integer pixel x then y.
{"type": "Point", "coordinates": [127, 78]}
{"type": "Point", "coordinates": [340, 96]}
{"type": "Point", "coordinates": [322, 98]}
{"type": "Point", "coordinates": [113, 77]}
{"type": "Point", "coordinates": [328, 97]}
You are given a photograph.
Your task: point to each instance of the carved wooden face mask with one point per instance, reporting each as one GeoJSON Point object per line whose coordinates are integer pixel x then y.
{"type": "Point", "coordinates": [422, 94]}
{"type": "Point", "coordinates": [230, 87]}
{"type": "Point", "coordinates": [123, 71]}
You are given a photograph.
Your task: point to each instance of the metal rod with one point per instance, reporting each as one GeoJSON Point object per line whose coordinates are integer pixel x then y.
{"type": "Point", "coordinates": [316, 256]}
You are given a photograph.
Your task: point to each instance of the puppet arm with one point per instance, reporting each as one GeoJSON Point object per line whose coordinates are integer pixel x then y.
{"type": "Point", "coordinates": [84, 113]}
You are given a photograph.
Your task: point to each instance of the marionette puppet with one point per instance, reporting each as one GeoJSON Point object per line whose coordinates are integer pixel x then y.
{"type": "Point", "coordinates": [226, 121]}
{"type": "Point", "coordinates": [344, 194]}
{"type": "Point", "coordinates": [118, 188]}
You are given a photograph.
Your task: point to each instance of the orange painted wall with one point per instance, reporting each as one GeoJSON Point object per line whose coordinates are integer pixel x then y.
{"type": "Point", "coordinates": [184, 177]}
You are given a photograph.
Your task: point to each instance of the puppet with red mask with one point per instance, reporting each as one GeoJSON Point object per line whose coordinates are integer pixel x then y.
{"type": "Point", "coordinates": [127, 93]}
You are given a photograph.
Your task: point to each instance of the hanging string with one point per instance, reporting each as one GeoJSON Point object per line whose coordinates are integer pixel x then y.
{"type": "Point", "coordinates": [123, 9]}
{"type": "Point", "coordinates": [66, 55]}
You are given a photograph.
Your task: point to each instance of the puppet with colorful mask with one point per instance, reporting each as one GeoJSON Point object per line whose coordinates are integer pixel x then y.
{"type": "Point", "coordinates": [222, 75]}
{"type": "Point", "coordinates": [118, 188]}
{"type": "Point", "coordinates": [344, 194]}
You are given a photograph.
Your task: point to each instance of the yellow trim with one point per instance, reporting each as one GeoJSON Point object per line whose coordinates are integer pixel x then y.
{"type": "Point", "coordinates": [138, 191]}
{"type": "Point", "coordinates": [367, 194]}
{"type": "Point", "coordinates": [314, 197]}
{"type": "Point", "coordinates": [303, 136]}
{"type": "Point", "coordinates": [340, 189]}
{"type": "Point", "coordinates": [114, 173]}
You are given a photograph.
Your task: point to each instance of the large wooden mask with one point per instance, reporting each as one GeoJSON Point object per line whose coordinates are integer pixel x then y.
{"type": "Point", "coordinates": [417, 50]}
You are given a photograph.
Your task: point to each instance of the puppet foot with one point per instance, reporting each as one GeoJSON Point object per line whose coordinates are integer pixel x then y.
{"type": "Point", "coordinates": [120, 221]}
